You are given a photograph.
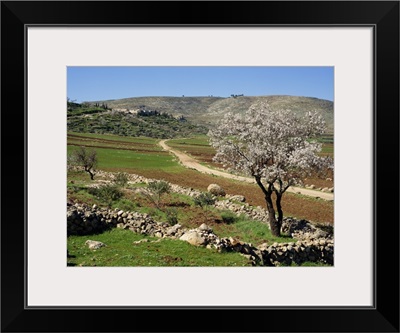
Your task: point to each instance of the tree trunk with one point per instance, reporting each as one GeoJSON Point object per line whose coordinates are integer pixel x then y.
{"type": "Point", "coordinates": [273, 223]}
{"type": "Point", "coordinates": [279, 209]}
{"type": "Point", "coordinates": [90, 173]}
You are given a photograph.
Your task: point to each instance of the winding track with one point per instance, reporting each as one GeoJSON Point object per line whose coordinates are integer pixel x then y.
{"type": "Point", "coordinates": [192, 163]}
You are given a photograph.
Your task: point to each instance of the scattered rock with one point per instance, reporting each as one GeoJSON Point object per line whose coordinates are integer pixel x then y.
{"type": "Point", "coordinates": [234, 241]}
{"type": "Point", "coordinates": [94, 245]}
{"type": "Point", "coordinates": [173, 230]}
{"type": "Point", "coordinates": [194, 238]}
{"type": "Point", "coordinates": [238, 198]}
{"type": "Point", "coordinates": [216, 190]}
{"type": "Point", "coordinates": [144, 240]}
{"type": "Point", "coordinates": [205, 227]}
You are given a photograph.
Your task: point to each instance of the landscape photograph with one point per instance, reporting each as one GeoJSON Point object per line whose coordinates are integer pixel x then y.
{"type": "Point", "coordinates": [200, 166]}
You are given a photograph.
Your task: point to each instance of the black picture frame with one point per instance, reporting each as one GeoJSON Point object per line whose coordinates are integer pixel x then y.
{"type": "Point", "coordinates": [383, 16]}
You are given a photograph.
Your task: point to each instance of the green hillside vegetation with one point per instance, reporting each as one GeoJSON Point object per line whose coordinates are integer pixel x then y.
{"type": "Point", "coordinates": [101, 121]}
{"type": "Point", "coordinates": [207, 110]}
{"type": "Point", "coordinates": [84, 110]}
{"type": "Point", "coordinates": [77, 109]}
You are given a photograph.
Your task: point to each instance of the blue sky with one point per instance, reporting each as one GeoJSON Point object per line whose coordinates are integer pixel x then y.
{"type": "Point", "coordinates": [103, 83]}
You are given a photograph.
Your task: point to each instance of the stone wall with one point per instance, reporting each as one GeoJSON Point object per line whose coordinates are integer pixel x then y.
{"type": "Point", "coordinates": [317, 250]}
{"type": "Point", "coordinates": [85, 220]}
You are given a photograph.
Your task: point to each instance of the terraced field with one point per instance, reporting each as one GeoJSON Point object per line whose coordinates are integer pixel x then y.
{"type": "Point", "coordinates": [199, 148]}
{"type": "Point", "coordinates": [144, 157]}
{"type": "Point", "coordinates": [133, 155]}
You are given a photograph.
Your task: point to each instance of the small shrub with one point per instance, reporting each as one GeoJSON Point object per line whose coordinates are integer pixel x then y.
{"type": "Point", "coordinates": [121, 179]}
{"type": "Point", "coordinates": [107, 193]}
{"type": "Point", "coordinates": [155, 190]}
{"type": "Point", "coordinates": [172, 216]}
{"type": "Point", "coordinates": [159, 187]}
{"type": "Point", "coordinates": [228, 217]}
{"type": "Point", "coordinates": [204, 200]}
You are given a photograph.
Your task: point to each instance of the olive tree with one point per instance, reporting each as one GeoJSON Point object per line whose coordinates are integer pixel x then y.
{"type": "Point", "coordinates": [276, 147]}
{"type": "Point", "coordinates": [85, 158]}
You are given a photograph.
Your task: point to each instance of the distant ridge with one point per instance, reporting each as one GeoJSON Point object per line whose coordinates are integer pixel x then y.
{"type": "Point", "coordinates": [207, 110]}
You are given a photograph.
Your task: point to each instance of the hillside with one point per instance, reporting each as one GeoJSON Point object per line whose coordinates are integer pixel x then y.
{"type": "Point", "coordinates": [173, 105]}
{"type": "Point", "coordinates": [207, 110]}
{"type": "Point", "coordinates": [101, 121]}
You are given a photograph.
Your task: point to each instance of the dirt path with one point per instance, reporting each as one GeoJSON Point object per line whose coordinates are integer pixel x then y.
{"type": "Point", "coordinates": [192, 163]}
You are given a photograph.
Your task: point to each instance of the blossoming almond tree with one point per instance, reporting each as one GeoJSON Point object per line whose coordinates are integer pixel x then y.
{"type": "Point", "coordinates": [277, 148]}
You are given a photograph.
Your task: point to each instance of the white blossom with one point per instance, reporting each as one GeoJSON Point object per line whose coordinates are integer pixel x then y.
{"type": "Point", "coordinates": [277, 146]}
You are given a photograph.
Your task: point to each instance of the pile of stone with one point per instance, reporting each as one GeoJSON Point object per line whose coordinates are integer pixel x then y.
{"type": "Point", "coordinates": [303, 230]}
{"type": "Point", "coordinates": [184, 190]}
{"type": "Point", "coordinates": [255, 213]}
{"type": "Point", "coordinates": [83, 220]}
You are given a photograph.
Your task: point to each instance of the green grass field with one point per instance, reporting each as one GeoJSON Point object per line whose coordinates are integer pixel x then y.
{"type": "Point", "coordinates": [121, 251]}
{"type": "Point", "coordinates": [117, 153]}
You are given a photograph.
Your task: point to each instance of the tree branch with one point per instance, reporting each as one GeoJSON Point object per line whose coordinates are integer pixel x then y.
{"type": "Point", "coordinates": [290, 183]}
{"type": "Point", "coordinates": [237, 149]}
{"type": "Point", "coordinates": [261, 185]}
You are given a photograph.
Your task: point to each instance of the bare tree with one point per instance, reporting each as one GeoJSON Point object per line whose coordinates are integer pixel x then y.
{"type": "Point", "coordinates": [277, 148]}
{"type": "Point", "coordinates": [85, 158]}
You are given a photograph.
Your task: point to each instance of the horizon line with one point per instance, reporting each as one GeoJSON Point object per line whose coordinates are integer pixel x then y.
{"type": "Point", "coordinates": [202, 96]}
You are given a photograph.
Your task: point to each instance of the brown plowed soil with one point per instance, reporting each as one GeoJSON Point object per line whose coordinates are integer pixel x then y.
{"type": "Point", "coordinates": [311, 209]}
